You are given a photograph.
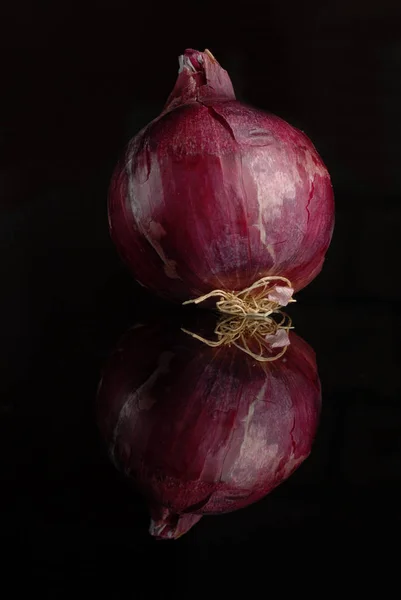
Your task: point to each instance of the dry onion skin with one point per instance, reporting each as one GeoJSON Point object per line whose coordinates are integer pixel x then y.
{"type": "Point", "coordinates": [214, 194]}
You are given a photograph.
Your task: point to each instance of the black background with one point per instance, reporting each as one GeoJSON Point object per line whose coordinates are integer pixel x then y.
{"type": "Point", "coordinates": [77, 81]}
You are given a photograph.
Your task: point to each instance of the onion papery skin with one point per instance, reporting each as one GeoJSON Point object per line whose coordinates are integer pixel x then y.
{"type": "Point", "coordinates": [203, 430]}
{"type": "Point", "coordinates": [215, 194]}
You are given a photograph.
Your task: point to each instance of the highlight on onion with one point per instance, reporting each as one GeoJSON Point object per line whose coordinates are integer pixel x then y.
{"type": "Point", "coordinates": [204, 430]}
{"type": "Point", "coordinates": [214, 194]}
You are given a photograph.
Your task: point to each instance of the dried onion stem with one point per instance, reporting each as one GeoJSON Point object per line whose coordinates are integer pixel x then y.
{"type": "Point", "coordinates": [240, 330]}
{"type": "Point", "coordinates": [252, 301]}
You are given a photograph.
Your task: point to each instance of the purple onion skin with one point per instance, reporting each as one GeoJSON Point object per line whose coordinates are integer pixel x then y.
{"type": "Point", "coordinates": [203, 430]}
{"type": "Point", "coordinates": [214, 194]}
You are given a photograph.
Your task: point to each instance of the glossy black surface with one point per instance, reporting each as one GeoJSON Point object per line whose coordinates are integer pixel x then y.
{"type": "Point", "coordinates": [76, 85]}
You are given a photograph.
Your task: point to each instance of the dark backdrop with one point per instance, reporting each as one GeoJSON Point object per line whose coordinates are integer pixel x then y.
{"type": "Point", "coordinates": [77, 81]}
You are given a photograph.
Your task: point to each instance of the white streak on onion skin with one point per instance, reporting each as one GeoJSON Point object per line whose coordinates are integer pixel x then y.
{"type": "Point", "coordinates": [248, 419]}
{"type": "Point", "coordinates": [153, 232]}
{"type": "Point", "coordinates": [254, 437]}
{"type": "Point", "coordinates": [276, 186]}
{"type": "Point", "coordinates": [140, 399]}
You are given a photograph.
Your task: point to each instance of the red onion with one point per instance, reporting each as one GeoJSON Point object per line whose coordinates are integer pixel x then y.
{"type": "Point", "coordinates": [216, 194]}
{"type": "Point", "coordinates": [204, 430]}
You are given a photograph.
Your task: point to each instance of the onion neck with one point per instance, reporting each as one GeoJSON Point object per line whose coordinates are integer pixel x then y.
{"type": "Point", "coordinates": [166, 525]}
{"type": "Point", "coordinates": [200, 79]}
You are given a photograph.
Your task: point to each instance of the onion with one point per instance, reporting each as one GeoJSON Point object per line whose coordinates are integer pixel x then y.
{"type": "Point", "coordinates": [214, 194]}
{"type": "Point", "coordinates": [203, 430]}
